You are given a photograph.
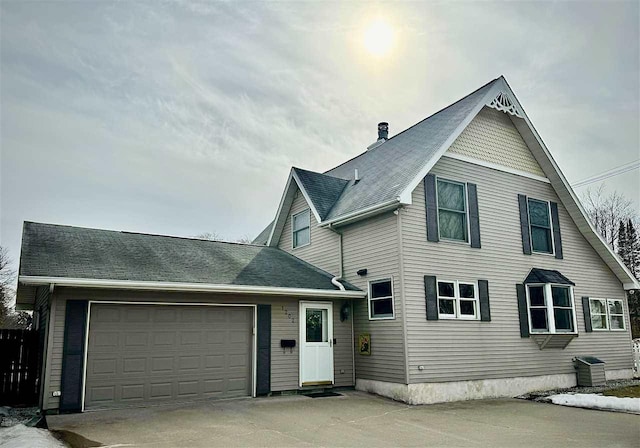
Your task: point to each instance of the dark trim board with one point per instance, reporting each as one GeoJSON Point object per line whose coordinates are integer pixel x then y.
{"type": "Point", "coordinates": [75, 322]}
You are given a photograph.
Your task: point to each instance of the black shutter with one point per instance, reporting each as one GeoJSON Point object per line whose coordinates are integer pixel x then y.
{"type": "Point", "coordinates": [557, 238]}
{"type": "Point", "coordinates": [483, 293]}
{"type": "Point", "coordinates": [586, 309]}
{"type": "Point", "coordinates": [524, 224]}
{"type": "Point", "coordinates": [431, 297]}
{"type": "Point", "coordinates": [522, 311]}
{"type": "Point", "coordinates": [75, 323]}
{"type": "Point", "coordinates": [431, 207]}
{"type": "Point", "coordinates": [474, 216]}
{"type": "Point", "coordinates": [263, 363]}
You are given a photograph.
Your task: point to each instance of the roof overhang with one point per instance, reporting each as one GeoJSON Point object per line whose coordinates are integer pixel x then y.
{"type": "Point", "coordinates": [30, 281]}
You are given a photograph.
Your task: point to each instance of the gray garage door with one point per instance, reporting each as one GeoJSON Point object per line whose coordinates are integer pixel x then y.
{"type": "Point", "coordinates": [146, 354]}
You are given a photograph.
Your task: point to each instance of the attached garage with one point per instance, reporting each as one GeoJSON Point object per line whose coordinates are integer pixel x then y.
{"type": "Point", "coordinates": [140, 354]}
{"type": "Point", "coordinates": [142, 320]}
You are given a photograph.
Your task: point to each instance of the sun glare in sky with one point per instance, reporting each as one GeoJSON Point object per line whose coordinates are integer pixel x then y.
{"type": "Point", "coordinates": [379, 38]}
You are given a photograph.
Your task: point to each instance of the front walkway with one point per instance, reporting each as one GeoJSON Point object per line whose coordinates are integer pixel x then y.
{"type": "Point", "coordinates": [354, 420]}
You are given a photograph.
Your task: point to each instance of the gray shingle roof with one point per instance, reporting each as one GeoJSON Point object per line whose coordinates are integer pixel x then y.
{"type": "Point", "coordinates": [323, 190]}
{"type": "Point", "coordinates": [547, 276]}
{"type": "Point", "coordinates": [263, 236]}
{"type": "Point", "coordinates": [387, 170]}
{"type": "Point", "coordinates": [74, 252]}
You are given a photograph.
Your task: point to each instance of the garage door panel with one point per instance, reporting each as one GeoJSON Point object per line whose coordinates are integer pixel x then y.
{"type": "Point", "coordinates": [157, 355]}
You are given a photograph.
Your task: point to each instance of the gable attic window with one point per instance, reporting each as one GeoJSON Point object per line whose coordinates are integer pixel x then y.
{"type": "Point", "coordinates": [381, 299]}
{"type": "Point", "coordinates": [301, 227]}
{"type": "Point", "coordinates": [540, 226]}
{"type": "Point", "coordinates": [452, 211]}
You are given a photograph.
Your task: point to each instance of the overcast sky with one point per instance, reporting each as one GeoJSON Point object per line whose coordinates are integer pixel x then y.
{"type": "Point", "coordinates": [181, 118]}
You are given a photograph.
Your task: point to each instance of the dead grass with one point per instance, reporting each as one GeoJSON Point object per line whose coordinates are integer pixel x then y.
{"type": "Point", "coordinates": [629, 391]}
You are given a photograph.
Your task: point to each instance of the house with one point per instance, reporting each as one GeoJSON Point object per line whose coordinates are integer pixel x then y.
{"type": "Point", "coordinates": [452, 261]}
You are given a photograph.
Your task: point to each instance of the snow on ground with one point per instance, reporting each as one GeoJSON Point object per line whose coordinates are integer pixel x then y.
{"type": "Point", "coordinates": [20, 436]}
{"type": "Point", "coordinates": [594, 401]}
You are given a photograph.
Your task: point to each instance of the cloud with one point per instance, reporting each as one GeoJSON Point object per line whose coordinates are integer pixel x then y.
{"type": "Point", "coordinates": [184, 117]}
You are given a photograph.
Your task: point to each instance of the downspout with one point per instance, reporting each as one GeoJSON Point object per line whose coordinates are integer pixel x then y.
{"type": "Point", "coordinates": [334, 280]}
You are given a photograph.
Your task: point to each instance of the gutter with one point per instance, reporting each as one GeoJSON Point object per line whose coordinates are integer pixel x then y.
{"type": "Point", "coordinates": [361, 214]}
{"type": "Point", "coordinates": [188, 287]}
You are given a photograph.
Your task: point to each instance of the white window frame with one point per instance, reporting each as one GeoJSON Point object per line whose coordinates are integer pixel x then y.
{"type": "Point", "coordinates": [553, 243]}
{"type": "Point", "coordinates": [456, 300]}
{"type": "Point", "coordinates": [548, 301]}
{"type": "Point", "coordinates": [466, 211]}
{"type": "Point", "coordinates": [605, 314]}
{"type": "Point", "coordinates": [370, 299]}
{"type": "Point", "coordinates": [293, 231]}
{"type": "Point", "coordinates": [624, 323]}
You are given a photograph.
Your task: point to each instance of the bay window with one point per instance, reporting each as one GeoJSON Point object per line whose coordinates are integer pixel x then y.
{"type": "Point", "coordinates": [551, 308]}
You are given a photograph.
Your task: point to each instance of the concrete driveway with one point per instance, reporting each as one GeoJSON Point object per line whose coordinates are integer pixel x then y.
{"type": "Point", "coordinates": [354, 420]}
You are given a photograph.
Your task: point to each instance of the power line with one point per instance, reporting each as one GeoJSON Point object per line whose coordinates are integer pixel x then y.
{"type": "Point", "coordinates": [630, 166]}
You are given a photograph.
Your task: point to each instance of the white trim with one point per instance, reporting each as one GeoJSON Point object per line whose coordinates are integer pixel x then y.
{"type": "Point", "coordinates": [293, 177]}
{"type": "Point", "coordinates": [495, 166]}
{"type": "Point", "coordinates": [254, 360]}
{"type": "Point", "coordinates": [393, 304]}
{"type": "Point", "coordinates": [293, 231]}
{"type": "Point", "coordinates": [548, 302]}
{"type": "Point", "coordinates": [551, 229]}
{"type": "Point", "coordinates": [302, 335]}
{"type": "Point", "coordinates": [306, 196]}
{"type": "Point", "coordinates": [188, 287]}
{"type": "Point", "coordinates": [467, 240]}
{"type": "Point", "coordinates": [405, 195]}
{"type": "Point", "coordinates": [362, 213]}
{"type": "Point", "coordinates": [575, 201]}
{"type": "Point", "coordinates": [456, 300]}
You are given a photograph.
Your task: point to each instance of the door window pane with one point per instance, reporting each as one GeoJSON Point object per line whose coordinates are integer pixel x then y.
{"type": "Point", "coordinates": [316, 325]}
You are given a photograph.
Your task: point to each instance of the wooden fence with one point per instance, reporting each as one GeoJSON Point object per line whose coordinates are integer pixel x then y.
{"type": "Point", "coordinates": [19, 367]}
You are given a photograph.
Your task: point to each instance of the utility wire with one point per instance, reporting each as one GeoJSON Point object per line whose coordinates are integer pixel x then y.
{"type": "Point", "coordinates": [609, 173]}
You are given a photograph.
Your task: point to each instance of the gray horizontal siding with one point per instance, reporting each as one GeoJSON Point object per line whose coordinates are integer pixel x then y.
{"type": "Point", "coordinates": [373, 245]}
{"type": "Point", "coordinates": [284, 325]}
{"type": "Point", "coordinates": [469, 350]}
{"type": "Point", "coordinates": [323, 252]}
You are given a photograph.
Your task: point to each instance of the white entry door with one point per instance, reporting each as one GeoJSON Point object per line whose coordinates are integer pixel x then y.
{"type": "Point", "coordinates": [316, 347]}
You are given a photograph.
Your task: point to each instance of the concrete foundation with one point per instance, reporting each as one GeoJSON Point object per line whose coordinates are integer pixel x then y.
{"type": "Point", "coordinates": [428, 393]}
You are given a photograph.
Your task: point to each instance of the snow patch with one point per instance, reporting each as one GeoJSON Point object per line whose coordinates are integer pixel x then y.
{"type": "Point", "coordinates": [594, 401]}
{"type": "Point", "coordinates": [20, 436]}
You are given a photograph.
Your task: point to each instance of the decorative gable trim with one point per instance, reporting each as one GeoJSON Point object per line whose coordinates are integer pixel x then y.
{"type": "Point", "coordinates": [549, 167]}
{"type": "Point", "coordinates": [285, 205]}
{"type": "Point", "coordinates": [503, 102]}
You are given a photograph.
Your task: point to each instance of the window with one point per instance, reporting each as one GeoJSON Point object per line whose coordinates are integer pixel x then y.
{"type": "Point", "coordinates": [551, 309]}
{"type": "Point", "coordinates": [301, 228]}
{"type": "Point", "coordinates": [540, 226]}
{"type": "Point", "coordinates": [381, 299]}
{"type": "Point", "coordinates": [607, 314]}
{"type": "Point", "coordinates": [452, 211]}
{"type": "Point", "coordinates": [457, 300]}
